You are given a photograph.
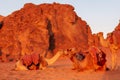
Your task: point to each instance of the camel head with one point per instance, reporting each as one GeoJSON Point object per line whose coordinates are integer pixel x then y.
{"type": "Point", "coordinates": [69, 51]}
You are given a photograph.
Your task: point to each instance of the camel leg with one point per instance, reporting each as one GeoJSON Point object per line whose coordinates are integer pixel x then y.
{"type": "Point", "coordinates": [20, 66]}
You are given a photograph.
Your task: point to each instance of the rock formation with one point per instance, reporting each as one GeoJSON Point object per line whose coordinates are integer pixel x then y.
{"type": "Point", "coordinates": [1, 21]}
{"type": "Point", "coordinates": [1, 18]}
{"type": "Point", "coordinates": [44, 27]}
{"type": "Point", "coordinates": [112, 43]}
{"type": "Point", "coordinates": [114, 40]}
{"type": "Point", "coordinates": [116, 34]}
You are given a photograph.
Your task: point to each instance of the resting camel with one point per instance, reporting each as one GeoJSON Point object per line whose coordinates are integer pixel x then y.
{"type": "Point", "coordinates": [80, 60]}
{"type": "Point", "coordinates": [110, 43]}
{"type": "Point", "coordinates": [86, 60]}
{"type": "Point", "coordinates": [35, 61]}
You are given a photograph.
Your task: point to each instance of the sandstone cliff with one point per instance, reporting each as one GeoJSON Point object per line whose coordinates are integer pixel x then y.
{"type": "Point", "coordinates": [1, 21]}
{"type": "Point", "coordinates": [1, 18]}
{"type": "Point", "coordinates": [116, 35]}
{"type": "Point", "coordinates": [38, 28]}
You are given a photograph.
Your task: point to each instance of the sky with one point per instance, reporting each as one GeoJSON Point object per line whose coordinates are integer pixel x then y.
{"type": "Point", "coordinates": [100, 15]}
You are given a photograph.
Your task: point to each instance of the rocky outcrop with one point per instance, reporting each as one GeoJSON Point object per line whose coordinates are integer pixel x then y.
{"type": "Point", "coordinates": [116, 35]}
{"type": "Point", "coordinates": [38, 28]}
{"type": "Point", "coordinates": [1, 18]}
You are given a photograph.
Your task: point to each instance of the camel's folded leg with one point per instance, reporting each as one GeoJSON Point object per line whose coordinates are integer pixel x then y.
{"type": "Point", "coordinates": [19, 66]}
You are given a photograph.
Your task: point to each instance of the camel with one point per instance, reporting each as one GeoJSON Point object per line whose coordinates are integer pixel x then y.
{"type": "Point", "coordinates": [37, 62]}
{"type": "Point", "coordinates": [110, 43]}
{"type": "Point", "coordinates": [84, 60]}
{"type": "Point", "coordinates": [80, 59]}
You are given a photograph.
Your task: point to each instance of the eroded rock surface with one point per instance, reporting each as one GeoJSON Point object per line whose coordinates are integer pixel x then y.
{"type": "Point", "coordinates": [38, 28]}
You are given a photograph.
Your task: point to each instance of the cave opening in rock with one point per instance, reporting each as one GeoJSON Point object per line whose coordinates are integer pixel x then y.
{"type": "Point", "coordinates": [51, 37]}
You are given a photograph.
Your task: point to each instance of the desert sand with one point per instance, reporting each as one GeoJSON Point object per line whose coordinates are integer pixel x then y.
{"type": "Point", "coordinates": [60, 70]}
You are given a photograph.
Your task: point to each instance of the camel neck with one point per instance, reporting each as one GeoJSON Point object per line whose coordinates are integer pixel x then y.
{"type": "Point", "coordinates": [54, 58]}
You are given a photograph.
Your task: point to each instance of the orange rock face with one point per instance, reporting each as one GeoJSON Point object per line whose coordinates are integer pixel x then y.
{"type": "Point", "coordinates": [116, 34]}
{"type": "Point", "coordinates": [37, 28]}
{"type": "Point", "coordinates": [1, 18]}
{"type": "Point", "coordinates": [1, 21]}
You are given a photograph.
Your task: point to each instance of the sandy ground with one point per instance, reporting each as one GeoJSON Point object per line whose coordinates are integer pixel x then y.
{"type": "Point", "coordinates": [60, 70]}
